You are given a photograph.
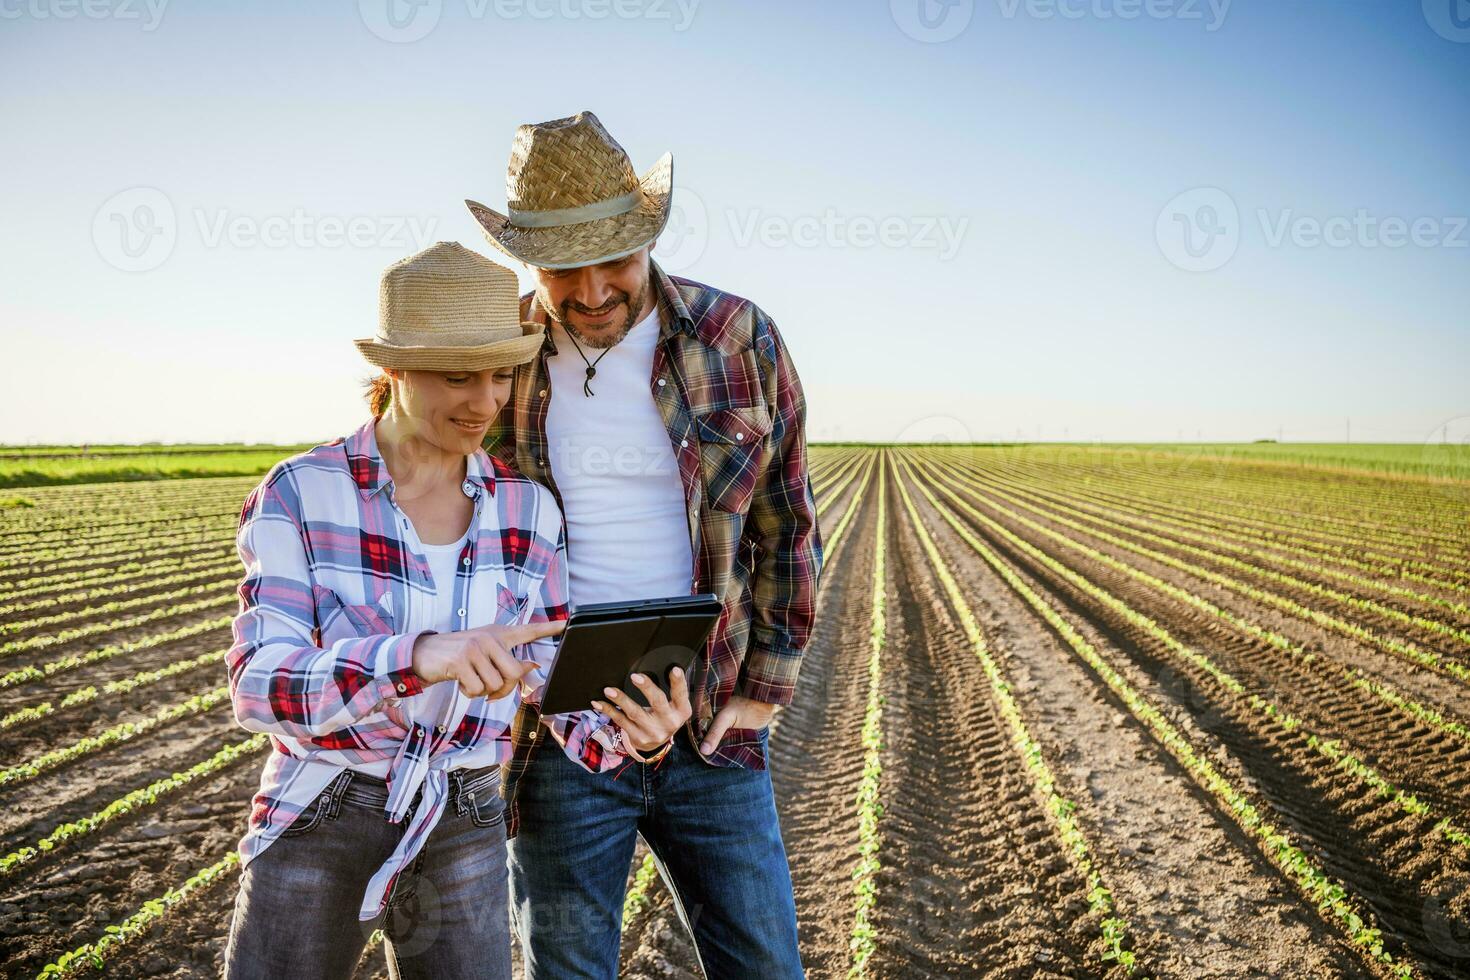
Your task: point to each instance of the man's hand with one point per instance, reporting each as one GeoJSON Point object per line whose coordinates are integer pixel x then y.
{"type": "Point", "coordinates": [738, 712]}
{"type": "Point", "coordinates": [648, 728]}
{"type": "Point", "coordinates": [480, 659]}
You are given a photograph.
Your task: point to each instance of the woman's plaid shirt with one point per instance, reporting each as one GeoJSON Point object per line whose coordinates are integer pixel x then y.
{"type": "Point", "coordinates": [336, 593]}
{"type": "Point", "coordinates": [735, 413]}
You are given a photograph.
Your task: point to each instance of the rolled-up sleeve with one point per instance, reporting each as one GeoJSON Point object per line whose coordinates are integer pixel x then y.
{"type": "Point", "coordinates": [281, 682]}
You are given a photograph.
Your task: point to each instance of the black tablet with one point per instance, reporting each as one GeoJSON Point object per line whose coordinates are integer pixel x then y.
{"type": "Point", "coordinates": [605, 642]}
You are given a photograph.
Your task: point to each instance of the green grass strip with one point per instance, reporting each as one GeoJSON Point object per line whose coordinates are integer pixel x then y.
{"type": "Point", "coordinates": [869, 805]}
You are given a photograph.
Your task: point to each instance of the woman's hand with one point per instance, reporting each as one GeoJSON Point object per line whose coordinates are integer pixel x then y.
{"type": "Point", "coordinates": [479, 659]}
{"type": "Point", "coordinates": [645, 729]}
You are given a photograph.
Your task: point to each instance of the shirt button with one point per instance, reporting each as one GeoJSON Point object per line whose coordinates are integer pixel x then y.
{"type": "Point", "coordinates": [683, 443]}
{"type": "Point", "coordinates": [661, 382]}
{"type": "Point", "coordinates": [466, 562]}
{"type": "Point", "coordinates": [441, 729]}
{"type": "Point", "coordinates": [402, 688]}
{"type": "Point", "coordinates": [461, 612]}
{"type": "Point", "coordinates": [541, 393]}
{"type": "Point", "coordinates": [740, 437]}
{"type": "Point", "coordinates": [541, 462]}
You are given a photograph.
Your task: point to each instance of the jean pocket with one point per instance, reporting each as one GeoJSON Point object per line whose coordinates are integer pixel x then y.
{"type": "Point", "coordinates": [310, 818]}
{"type": "Point", "coordinates": [485, 807]}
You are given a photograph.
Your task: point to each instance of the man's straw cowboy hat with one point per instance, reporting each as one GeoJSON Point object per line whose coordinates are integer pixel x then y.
{"type": "Point", "coordinates": [450, 309]}
{"type": "Point", "coordinates": [573, 199]}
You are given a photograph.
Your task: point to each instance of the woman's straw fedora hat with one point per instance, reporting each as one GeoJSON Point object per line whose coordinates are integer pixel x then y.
{"type": "Point", "coordinates": [573, 199]}
{"type": "Point", "coordinates": [450, 309]}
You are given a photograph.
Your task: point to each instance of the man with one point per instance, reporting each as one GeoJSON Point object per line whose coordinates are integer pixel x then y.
{"type": "Point", "coordinates": [669, 421]}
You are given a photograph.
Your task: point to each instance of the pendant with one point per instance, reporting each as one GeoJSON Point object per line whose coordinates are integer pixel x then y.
{"type": "Point", "coordinates": [591, 372]}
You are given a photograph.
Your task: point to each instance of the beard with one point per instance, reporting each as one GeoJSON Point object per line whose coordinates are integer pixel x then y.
{"type": "Point", "coordinates": [610, 337]}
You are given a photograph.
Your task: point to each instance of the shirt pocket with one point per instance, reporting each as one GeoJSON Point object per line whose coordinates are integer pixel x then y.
{"type": "Point", "coordinates": [733, 448]}
{"type": "Point", "coordinates": [509, 607]}
{"type": "Point", "coordinates": [338, 620]}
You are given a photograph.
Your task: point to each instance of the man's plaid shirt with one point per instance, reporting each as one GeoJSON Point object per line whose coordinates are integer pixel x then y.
{"type": "Point", "coordinates": [733, 406]}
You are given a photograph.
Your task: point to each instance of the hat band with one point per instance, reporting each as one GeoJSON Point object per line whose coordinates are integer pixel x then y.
{"type": "Point", "coordinates": [449, 338]}
{"type": "Point", "coordinates": [557, 217]}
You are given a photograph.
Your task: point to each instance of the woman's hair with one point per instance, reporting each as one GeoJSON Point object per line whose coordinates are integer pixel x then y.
{"type": "Point", "coordinates": [379, 394]}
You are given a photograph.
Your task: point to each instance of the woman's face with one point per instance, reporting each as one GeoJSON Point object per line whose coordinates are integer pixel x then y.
{"type": "Point", "coordinates": [452, 409]}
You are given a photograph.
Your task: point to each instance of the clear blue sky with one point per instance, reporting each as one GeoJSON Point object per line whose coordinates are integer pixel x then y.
{"type": "Point", "coordinates": [1032, 276]}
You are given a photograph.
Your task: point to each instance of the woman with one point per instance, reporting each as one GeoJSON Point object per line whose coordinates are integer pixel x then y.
{"type": "Point", "coordinates": [400, 587]}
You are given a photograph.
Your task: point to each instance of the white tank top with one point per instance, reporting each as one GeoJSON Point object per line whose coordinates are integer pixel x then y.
{"type": "Point", "coordinates": [627, 533]}
{"type": "Point", "coordinates": [444, 567]}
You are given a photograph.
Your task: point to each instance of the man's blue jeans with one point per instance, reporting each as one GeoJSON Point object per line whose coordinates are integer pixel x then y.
{"type": "Point", "coordinates": [713, 831]}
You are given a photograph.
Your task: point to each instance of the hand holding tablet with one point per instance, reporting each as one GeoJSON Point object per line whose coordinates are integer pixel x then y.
{"type": "Point", "coordinates": [605, 643]}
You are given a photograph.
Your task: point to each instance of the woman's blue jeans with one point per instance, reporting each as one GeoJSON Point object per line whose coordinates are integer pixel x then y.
{"type": "Point", "coordinates": [296, 911]}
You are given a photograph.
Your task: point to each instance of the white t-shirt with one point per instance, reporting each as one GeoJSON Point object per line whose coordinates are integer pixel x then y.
{"type": "Point", "coordinates": [443, 566]}
{"type": "Point", "coordinates": [627, 533]}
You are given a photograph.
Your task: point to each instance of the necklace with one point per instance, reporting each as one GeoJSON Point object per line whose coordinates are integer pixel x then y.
{"type": "Point", "coordinates": [591, 365]}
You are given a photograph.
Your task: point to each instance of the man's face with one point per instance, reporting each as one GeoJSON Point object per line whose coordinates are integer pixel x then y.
{"type": "Point", "coordinates": [600, 303]}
